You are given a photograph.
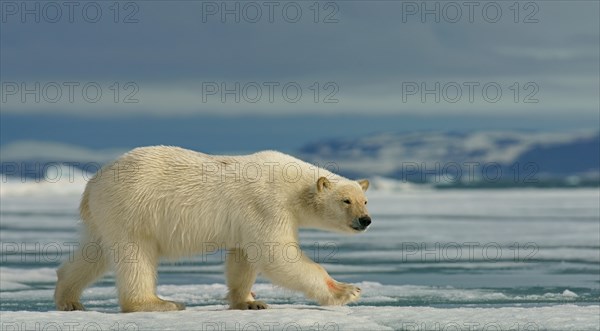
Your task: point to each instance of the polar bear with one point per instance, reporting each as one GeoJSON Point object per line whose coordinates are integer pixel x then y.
{"type": "Point", "coordinates": [169, 202]}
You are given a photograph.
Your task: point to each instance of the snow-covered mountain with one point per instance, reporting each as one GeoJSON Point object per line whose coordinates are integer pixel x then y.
{"type": "Point", "coordinates": [30, 161]}
{"type": "Point", "coordinates": [33, 150]}
{"type": "Point", "coordinates": [432, 157]}
{"type": "Point", "coordinates": [442, 156]}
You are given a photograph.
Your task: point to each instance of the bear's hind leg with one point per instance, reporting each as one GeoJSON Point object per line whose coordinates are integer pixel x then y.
{"type": "Point", "coordinates": [86, 265]}
{"type": "Point", "coordinates": [135, 271]}
{"type": "Point", "coordinates": [241, 275]}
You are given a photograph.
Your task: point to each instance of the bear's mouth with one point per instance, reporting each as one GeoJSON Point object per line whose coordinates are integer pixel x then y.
{"type": "Point", "coordinates": [358, 228]}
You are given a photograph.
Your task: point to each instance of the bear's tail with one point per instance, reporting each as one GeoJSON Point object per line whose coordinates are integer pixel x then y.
{"type": "Point", "coordinates": [84, 206]}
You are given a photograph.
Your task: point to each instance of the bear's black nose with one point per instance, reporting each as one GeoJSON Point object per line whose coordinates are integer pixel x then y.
{"type": "Point", "coordinates": [364, 221]}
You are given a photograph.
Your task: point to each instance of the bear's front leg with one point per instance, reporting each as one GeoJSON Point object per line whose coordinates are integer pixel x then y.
{"type": "Point", "coordinates": [298, 272]}
{"type": "Point", "coordinates": [240, 278]}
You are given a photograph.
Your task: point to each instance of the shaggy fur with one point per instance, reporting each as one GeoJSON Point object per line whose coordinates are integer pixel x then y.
{"type": "Point", "coordinates": [168, 202]}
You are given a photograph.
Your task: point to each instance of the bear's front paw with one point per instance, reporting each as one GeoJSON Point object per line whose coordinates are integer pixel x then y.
{"type": "Point", "coordinates": [250, 305]}
{"type": "Point", "coordinates": [341, 293]}
{"type": "Point", "coordinates": [70, 306]}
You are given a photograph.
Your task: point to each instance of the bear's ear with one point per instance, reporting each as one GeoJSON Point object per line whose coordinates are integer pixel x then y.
{"type": "Point", "coordinates": [323, 183]}
{"type": "Point", "coordinates": [363, 183]}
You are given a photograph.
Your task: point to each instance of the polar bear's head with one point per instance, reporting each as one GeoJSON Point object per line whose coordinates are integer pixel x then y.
{"type": "Point", "coordinates": [341, 205]}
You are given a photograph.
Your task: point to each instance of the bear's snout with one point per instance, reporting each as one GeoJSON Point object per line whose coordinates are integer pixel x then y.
{"type": "Point", "coordinates": [364, 221]}
{"type": "Point", "coordinates": [361, 223]}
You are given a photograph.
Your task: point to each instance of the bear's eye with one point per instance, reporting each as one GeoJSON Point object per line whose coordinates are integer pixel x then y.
{"type": "Point", "coordinates": [347, 201]}
{"type": "Point", "coordinates": [365, 202]}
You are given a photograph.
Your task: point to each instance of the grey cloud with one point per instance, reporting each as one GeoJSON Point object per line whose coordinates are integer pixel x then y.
{"type": "Point", "coordinates": [172, 49]}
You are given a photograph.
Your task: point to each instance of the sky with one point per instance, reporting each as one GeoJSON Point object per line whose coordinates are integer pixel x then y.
{"type": "Point", "coordinates": [239, 76]}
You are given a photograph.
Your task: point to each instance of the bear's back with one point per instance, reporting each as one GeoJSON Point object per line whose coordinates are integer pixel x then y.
{"type": "Point", "coordinates": [166, 170]}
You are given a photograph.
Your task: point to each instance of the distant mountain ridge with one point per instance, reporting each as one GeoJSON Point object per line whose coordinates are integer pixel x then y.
{"type": "Point", "coordinates": [447, 158]}
{"type": "Point", "coordinates": [475, 156]}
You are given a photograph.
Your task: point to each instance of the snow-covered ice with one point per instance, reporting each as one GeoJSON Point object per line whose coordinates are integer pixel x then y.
{"type": "Point", "coordinates": [378, 311]}
{"type": "Point", "coordinates": [301, 317]}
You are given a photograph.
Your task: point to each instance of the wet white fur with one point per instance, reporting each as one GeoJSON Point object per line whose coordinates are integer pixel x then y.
{"type": "Point", "coordinates": [168, 202]}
